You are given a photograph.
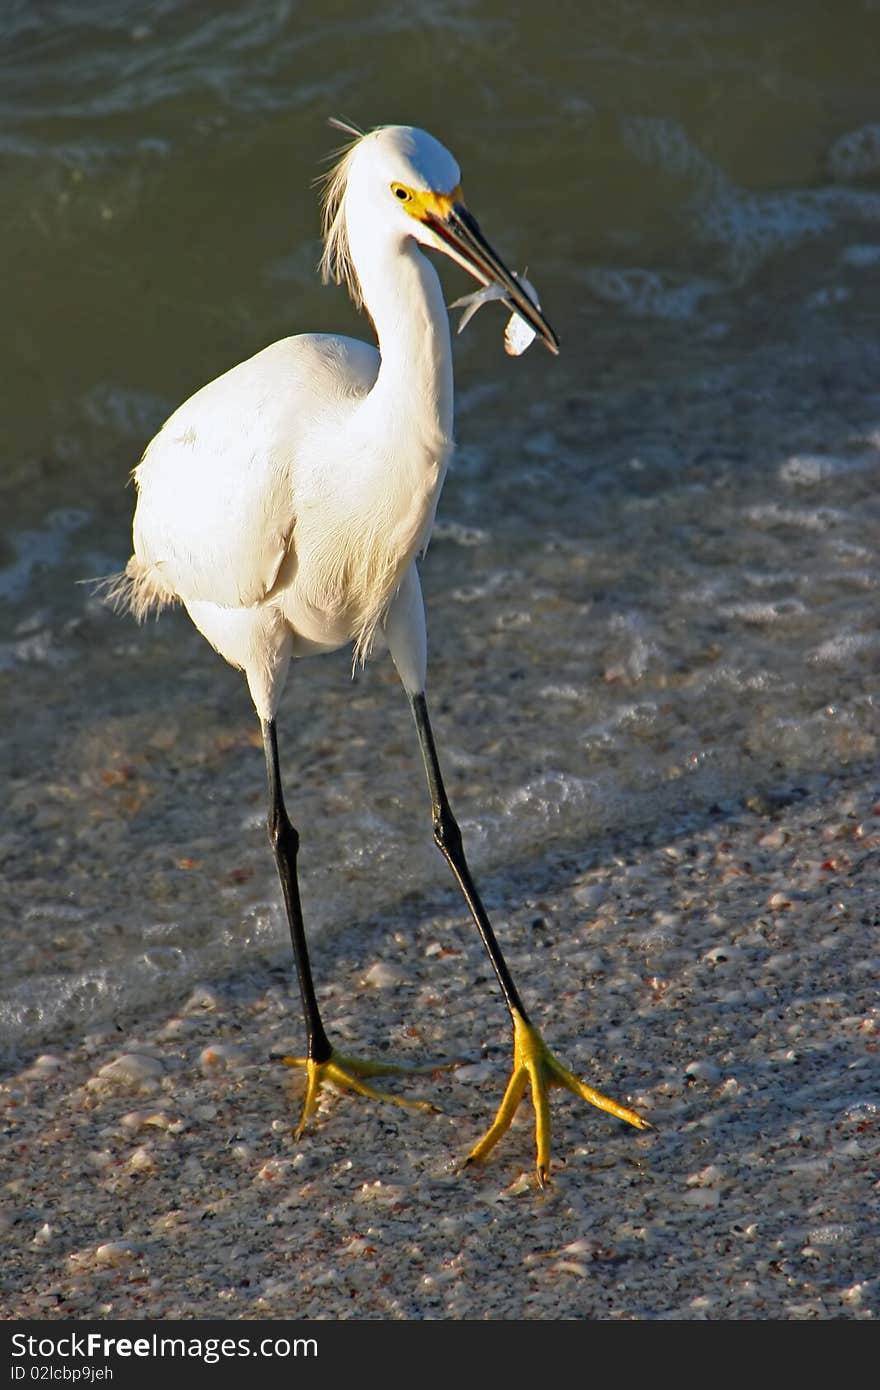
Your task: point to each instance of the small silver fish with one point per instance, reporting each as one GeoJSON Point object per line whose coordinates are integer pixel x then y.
{"type": "Point", "coordinates": [518, 335]}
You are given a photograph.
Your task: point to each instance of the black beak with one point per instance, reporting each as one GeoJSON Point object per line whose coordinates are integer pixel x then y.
{"type": "Point", "coordinates": [460, 233]}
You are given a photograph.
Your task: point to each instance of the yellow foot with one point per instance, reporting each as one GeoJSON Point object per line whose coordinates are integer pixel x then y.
{"type": "Point", "coordinates": [534, 1065]}
{"type": "Point", "coordinates": [348, 1072]}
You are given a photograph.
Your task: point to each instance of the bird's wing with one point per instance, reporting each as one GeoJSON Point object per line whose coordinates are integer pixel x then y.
{"type": "Point", "coordinates": [216, 515]}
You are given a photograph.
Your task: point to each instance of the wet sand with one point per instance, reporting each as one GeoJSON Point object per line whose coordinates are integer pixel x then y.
{"type": "Point", "coordinates": [724, 983]}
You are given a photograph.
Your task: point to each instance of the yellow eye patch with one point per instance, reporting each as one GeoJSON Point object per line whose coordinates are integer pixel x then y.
{"type": "Point", "coordinates": [419, 203]}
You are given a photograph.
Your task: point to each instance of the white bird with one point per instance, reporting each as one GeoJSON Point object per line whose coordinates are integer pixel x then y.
{"type": "Point", "coordinates": [285, 503]}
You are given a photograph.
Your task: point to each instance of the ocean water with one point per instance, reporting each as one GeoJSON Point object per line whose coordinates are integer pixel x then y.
{"type": "Point", "coordinates": [653, 586]}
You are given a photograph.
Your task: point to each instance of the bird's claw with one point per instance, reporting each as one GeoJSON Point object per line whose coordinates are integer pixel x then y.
{"type": "Point", "coordinates": [535, 1067]}
{"type": "Point", "coordinates": [349, 1073]}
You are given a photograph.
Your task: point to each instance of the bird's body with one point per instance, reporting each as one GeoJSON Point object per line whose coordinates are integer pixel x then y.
{"type": "Point", "coordinates": [270, 505]}
{"type": "Point", "coordinates": [290, 501]}
{"type": "Point", "coordinates": [284, 504]}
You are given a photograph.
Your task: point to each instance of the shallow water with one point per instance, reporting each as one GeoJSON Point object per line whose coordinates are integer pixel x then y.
{"type": "Point", "coordinates": [652, 589]}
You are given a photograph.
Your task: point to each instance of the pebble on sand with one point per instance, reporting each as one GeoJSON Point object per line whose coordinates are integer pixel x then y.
{"type": "Point", "coordinates": [132, 1070]}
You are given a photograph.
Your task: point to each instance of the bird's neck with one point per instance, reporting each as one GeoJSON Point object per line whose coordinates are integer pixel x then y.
{"type": "Point", "coordinates": [412, 398]}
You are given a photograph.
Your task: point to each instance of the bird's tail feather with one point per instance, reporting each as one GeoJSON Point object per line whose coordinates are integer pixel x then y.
{"type": "Point", "coordinates": [135, 589]}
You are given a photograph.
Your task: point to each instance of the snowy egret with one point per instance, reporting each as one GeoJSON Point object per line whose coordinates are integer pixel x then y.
{"type": "Point", "coordinates": [284, 505]}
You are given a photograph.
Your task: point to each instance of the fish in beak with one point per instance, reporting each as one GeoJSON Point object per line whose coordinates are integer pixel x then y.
{"type": "Point", "coordinates": [456, 232]}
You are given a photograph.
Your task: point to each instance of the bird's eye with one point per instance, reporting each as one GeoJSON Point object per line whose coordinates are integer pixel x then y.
{"type": "Point", "coordinates": [401, 192]}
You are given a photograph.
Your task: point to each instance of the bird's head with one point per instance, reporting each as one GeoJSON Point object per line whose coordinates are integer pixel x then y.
{"type": "Point", "coordinates": [411, 183]}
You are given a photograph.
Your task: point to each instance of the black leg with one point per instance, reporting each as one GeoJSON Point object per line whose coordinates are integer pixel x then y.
{"type": "Point", "coordinates": [285, 843]}
{"type": "Point", "coordinates": [323, 1062]}
{"type": "Point", "coordinates": [447, 837]}
{"type": "Point", "coordinates": [535, 1068]}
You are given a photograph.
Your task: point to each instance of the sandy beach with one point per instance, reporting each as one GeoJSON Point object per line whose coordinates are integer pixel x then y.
{"type": "Point", "coordinates": [720, 983]}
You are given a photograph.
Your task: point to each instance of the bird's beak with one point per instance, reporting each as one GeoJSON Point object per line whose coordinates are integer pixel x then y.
{"type": "Point", "coordinates": [458, 235]}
